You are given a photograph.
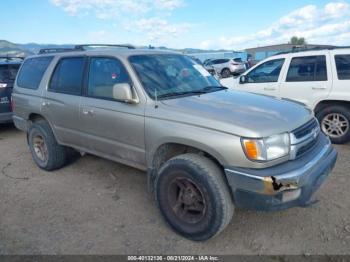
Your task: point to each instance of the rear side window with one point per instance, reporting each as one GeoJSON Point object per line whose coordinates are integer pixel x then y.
{"type": "Point", "coordinates": [222, 61]}
{"type": "Point", "coordinates": [32, 72]}
{"type": "Point", "coordinates": [343, 66]}
{"type": "Point", "coordinates": [308, 68]}
{"type": "Point", "coordinates": [68, 76]}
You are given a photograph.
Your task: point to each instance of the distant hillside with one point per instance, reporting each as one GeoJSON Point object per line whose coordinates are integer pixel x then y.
{"type": "Point", "coordinates": [34, 47]}
{"type": "Point", "coordinates": [8, 48]}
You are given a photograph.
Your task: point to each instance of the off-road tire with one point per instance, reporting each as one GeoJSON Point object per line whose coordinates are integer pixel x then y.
{"type": "Point", "coordinates": [209, 179]}
{"type": "Point", "coordinates": [56, 154]}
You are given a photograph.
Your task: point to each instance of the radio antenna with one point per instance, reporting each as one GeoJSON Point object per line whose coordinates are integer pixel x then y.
{"type": "Point", "coordinates": [156, 98]}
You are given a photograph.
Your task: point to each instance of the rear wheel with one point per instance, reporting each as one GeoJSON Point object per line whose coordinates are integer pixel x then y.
{"type": "Point", "coordinates": [225, 73]}
{"type": "Point", "coordinates": [46, 152]}
{"type": "Point", "coordinates": [335, 123]}
{"type": "Point", "coordinates": [193, 196]}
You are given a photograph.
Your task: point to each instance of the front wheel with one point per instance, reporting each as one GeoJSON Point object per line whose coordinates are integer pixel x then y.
{"type": "Point", "coordinates": [335, 123]}
{"type": "Point", "coordinates": [193, 196]}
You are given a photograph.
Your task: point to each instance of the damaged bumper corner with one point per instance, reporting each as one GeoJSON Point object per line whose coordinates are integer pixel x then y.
{"type": "Point", "coordinates": [287, 185]}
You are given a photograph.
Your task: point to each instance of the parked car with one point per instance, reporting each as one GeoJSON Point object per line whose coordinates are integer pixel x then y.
{"type": "Point", "coordinates": [207, 149]}
{"type": "Point", "coordinates": [8, 71]}
{"type": "Point", "coordinates": [319, 79]}
{"type": "Point", "coordinates": [210, 69]}
{"type": "Point", "coordinates": [227, 67]}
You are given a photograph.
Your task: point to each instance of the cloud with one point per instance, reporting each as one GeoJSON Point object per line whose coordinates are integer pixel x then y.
{"type": "Point", "coordinates": [159, 30]}
{"type": "Point", "coordinates": [104, 9]}
{"type": "Point", "coordinates": [329, 24]}
{"type": "Point", "coordinates": [146, 17]}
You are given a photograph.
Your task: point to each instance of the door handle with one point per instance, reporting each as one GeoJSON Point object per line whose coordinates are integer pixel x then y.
{"type": "Point", "coordinates": [46, 103]}
{"type": "Point", "coordinates": [269, 88]}
{"type": "Point", "coordinates": [318, 87]}
{"type": "Point", "coordinates": [88, 112]}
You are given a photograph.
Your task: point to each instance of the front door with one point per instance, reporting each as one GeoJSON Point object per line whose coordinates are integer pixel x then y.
{"type": "Point", "coordinates": [264, 79]}
{"type": "Point", "coordinates": [112, 129]}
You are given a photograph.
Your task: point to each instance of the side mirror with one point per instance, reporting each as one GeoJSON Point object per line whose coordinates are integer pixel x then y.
{"type": "Point", "coordinates": [123, 92]}
{"type": "Point", "coordinates": [243, 79]}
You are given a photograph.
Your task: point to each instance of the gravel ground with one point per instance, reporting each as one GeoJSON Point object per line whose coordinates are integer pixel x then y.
{"type": "Point", "coordinates": [95, 206]}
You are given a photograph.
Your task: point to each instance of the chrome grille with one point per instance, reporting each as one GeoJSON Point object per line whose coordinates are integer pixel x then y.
{"type": "Point", "coordinates": [304, 138]}
{"type": "Point", "coordinates": [305, 129]}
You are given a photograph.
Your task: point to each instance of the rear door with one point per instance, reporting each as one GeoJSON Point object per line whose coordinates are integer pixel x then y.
{"type": "Point", "coordinates": [62, 99]}
{"type": "Point", "coordinates": [341, 68]}
{"type": "Point", "coordinates": [264, 78]}
{"type": "Point", "coordinates": [308, 78]}
{"type": "Point", "coordinates": [8, 74]}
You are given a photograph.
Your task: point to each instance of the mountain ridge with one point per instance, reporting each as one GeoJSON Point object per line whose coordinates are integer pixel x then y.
{"type": "Point", "coordinates": [13, 49]}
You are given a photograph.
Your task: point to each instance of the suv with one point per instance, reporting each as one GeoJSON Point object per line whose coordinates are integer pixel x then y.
{"type": "Point", "coordinates": [206, 149]}
{"type": "Point", "coordinates": [227, 67]}
{"type": "Point", "coordinates": [319, 79]}
{"type": "Point", "coordinates": [8, 71]}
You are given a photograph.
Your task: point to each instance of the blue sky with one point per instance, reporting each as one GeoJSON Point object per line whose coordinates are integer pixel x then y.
{"type": "Point", "coordinates": [175, 23]}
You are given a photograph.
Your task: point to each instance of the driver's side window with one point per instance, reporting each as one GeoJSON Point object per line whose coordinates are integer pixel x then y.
{"type": "Point", "coordinates": [266, 72]}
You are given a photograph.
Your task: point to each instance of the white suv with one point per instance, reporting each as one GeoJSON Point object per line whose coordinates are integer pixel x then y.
{"type": "Point", "coordinates": [319, 79]}
{"type": "Point", "coordinates": [227, 67]}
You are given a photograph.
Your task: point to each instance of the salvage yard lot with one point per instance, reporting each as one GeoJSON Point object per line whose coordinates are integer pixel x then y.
{"type": "Point", "coordinates": [95, 206]}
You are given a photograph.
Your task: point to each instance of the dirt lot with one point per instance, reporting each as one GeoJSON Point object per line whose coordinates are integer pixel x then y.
{"type": "Point", "coordinates": [95, 206]}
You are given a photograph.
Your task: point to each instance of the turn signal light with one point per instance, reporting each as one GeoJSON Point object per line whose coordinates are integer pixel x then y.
{"type": "Point", "coordinates": [251, 149]}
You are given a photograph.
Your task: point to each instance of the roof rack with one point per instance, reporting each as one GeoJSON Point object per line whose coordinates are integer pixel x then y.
{"type": "Point", "coordinates": [79, 48]}
{"type": "Point", "coordinates": [57, 50]}
{"type": "Point", "coordinates": [83, 47]}
{"type": "Point", "coordinates": [305, 49]}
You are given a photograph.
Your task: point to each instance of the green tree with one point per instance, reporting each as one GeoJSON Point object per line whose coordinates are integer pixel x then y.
{"type": "Point", "coordinates": [297, 41]}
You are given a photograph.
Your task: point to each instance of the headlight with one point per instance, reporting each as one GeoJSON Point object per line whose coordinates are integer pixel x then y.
{"type": "Point", "coordinates": [2, 85]}
{"type": "Point", "coordinates": [266, 149]}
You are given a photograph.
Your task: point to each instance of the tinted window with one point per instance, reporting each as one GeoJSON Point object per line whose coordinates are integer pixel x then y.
{"type": "Point", "coordinates": [32, 71]}
{"type": "Point", "coordinates": [343, 66]}
{"type": "Point", "coordinates": [266, 72]}
{"type": "Point", "coordinates": [104, 73]}
{"type": "Point", "coordinates": [68, 76]}
{"type": "Point", "coordinates": [8, 72]}
{"type": "Point", "coordinates": [222, 61]}
{"type": "Point", "coordinates": [309, 68]}
{"type": "Point", "coordinates": [238, 60]}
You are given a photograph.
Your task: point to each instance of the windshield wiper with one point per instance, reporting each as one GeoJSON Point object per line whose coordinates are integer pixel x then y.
{"type": "Point", "coordinates": [174, 94]}
{"type": "Point", "coordinates": [213, 88]}
{"type": "Point", "coordinates": [193, 92]}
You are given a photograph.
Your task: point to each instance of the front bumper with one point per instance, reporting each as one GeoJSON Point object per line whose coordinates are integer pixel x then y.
{"type": "Point", "coordinates": [287, 185]}
{"type": "Point", "coordinates": [5, 117]}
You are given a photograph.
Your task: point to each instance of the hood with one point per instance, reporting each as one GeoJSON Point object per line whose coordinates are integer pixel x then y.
{"type": "Point", "coordinates": [235, 112]}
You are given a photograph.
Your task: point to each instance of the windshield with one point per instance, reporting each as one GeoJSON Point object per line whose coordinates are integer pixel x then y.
{"type": "Point", "coordinates": [169, 76]}
{"type": "Point", "coordinates": [8, 72]}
